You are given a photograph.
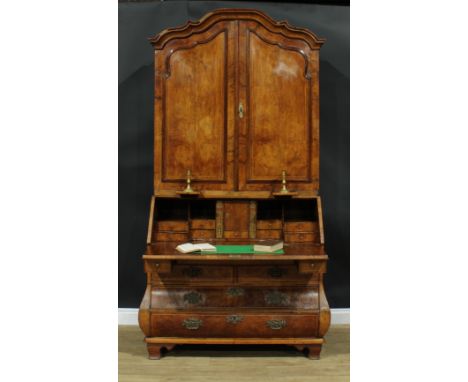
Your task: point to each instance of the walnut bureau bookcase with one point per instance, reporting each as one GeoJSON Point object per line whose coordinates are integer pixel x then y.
{"type": "Point", "coordinates": [236, 160]}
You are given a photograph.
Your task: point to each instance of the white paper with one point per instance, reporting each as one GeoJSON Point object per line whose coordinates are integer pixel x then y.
{"type": "Point", "coordinates": [189, 247]}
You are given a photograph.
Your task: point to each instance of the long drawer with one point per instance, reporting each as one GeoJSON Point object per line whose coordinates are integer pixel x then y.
{"type": "Point", "coordinates": [235, 325]}
{"type": "Point", "coordinates": [243, 275]}
{"type": "Point", "coordinates": [281, 275]}
{"type": "Point", "coordinates": [235, 297]}
{"type": "Point", "coordinates": [187, 274]}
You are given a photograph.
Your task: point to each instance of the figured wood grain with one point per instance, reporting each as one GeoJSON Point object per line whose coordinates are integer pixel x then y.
{"type": "Point", "coordinates": [252, 325]}
{"type": "Point", "coordinates": [249, 298]}
{"type": "Point", "coordinates": [236, 219]}
{"type": "Point", "coordinates": [197, 117]}
{"type": "Point", "coordinates": [279, 130]}
{"type": "Point", "coordinates": [194, 91]}
{"type": "Point", "coordinates": [236, 103]}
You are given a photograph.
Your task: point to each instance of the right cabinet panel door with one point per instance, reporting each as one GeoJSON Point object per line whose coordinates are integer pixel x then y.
{"type": "Point", "coordinates": [277, 111]}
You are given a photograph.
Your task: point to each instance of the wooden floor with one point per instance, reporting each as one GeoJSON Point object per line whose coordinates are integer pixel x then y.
{"type": "Point", "coordinates": [233, 363]}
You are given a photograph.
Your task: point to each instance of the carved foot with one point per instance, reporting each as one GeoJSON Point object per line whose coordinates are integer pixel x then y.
{"type": "Point", "coordinates": [313, 351]}
{"type": "Point", "coordinates": [154, 350]}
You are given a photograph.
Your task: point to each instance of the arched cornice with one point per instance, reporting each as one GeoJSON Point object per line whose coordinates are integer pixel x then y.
{"type": "Point", "coordinates": [193, 27]}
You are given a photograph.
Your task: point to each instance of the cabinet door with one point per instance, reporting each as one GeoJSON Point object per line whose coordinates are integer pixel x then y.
{"type": "Point", "coordinates": [194, 90]}
{"type": "Point", "coordinates": [278, 123]}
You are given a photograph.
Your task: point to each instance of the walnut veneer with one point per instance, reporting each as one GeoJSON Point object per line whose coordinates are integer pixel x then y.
{"type": "Point", "coordinates": [236, 106]}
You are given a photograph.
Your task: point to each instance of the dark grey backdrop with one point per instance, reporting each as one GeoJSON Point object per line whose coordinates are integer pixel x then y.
{"type": "Point", "coordinates": [140, 20]}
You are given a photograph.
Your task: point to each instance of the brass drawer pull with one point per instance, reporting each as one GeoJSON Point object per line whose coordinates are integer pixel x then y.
{"type": "Point", "coordinates": [276, 324]}
{"type": "Point", "coordinates": [276, 272]}
{"type": "Point", "coordinates": [192, 323]}
{"type": "Point", "coordinates": [235, 292]}
{"type": "Point", "coordinates": [193, 297]}
{"type": "Point", "coordinates": [234, 319]}
{"type": "Point", "coordinates": [192, 271]}
{"type": "Point", "coordinates": [276, 298]}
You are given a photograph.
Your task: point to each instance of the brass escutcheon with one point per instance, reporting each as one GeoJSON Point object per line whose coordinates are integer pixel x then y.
{"type": "Point", "coordinates": [192, 323]}
{"type": "Point", "coordinates": [276, 324]}
{"type": "Point", "coordinates": [235, 292]}
{"type": "Point", "coordinates": [234, 319]}
{"type": "Point", "coordinates": [193, 297]}
{"type": "Point", "coordinates": [276, 298]}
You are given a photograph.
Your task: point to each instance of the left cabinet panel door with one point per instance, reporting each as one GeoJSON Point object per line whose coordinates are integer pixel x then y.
{"type": "Point", "coordinates": [194, 92]}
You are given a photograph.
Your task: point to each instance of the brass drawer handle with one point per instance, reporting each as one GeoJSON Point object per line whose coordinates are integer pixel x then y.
{"type": "Point", "coordinates": [276, 298]}
{"type": "Point", "coordinates": [193, 297]}
{"type": "Point", "coordinates": [276, 324]}
{"type": "Point", "coordinates": [276, 272]}
{"type": "Point", "coordinates": [192, 271]}
{"type": "Point", "coordinates": [235, 292]}
{"type": "Point", "coordinates": [234, 319]}
{"type": "Point", "coordinates": [192, 323]}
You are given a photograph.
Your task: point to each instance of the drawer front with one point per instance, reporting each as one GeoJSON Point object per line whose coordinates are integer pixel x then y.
{"type": "Point", "coordinates": [172, 225]}
{"type": "Point", "coordinates": [236, 235]}
{"type": "Point", "coordinates": [171, 236]}
{"type": "Point", "coordinates": [203, 224]}
{"type": "Point", "coordinates": [268, 234]}
{"type": "Point", "coordinates": [269, 224]}
{"type": "Point", "coordinates": [202, 234]}
{"type": "Point", "coordinates": [301, 226]}
{"type": "Point", "coordinates": [274, 275]}
{"type": "Point", "coordinates": [235, 297]}
{"type": "Point", "coordinates": [302, 237]}
{"type": "Point", "coordinates": [195, 275]}
{"type": "Point", "coordinates": [235, 325]}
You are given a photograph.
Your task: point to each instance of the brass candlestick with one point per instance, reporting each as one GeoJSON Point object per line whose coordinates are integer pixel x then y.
{"type": "Point", "coordinates": [189, 188]}
{"type": "Point", "coordinates": [284, 190]}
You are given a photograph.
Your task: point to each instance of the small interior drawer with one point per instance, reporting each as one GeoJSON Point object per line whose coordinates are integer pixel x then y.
{"type": "Point", "coordinates": [202, 234]}
{"type": "Point", "coordinates": [302, 237]}
{"type": "Point", "coordinates": [269, 234]}
{"type": "Point", "coordinates": [300, 226]}
{"type": "Point", "coordinates": [171, 236]}
{"type": "Point", "coordinates": [269, 224]}
{"type": "Point", "coordinates": [203, 224]}
{"type": "Point", "coordinates": [172, 225]}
